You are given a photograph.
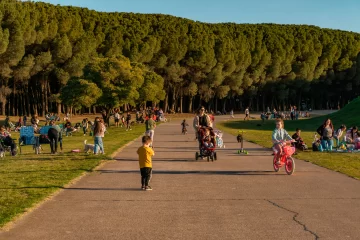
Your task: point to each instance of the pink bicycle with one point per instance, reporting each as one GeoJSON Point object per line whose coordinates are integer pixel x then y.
{"type": "Point", "coordinates": [285, 159]}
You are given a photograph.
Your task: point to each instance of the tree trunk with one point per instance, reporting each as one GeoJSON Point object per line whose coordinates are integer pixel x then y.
{"type": "Point", "coordinates": [166, 102]}
{"type": "Point", "coordinates": [181, 103]}
{"type": "Point", "coordinates": [3, 105]}
{"type": "Point", "coordinates": [190, 104]}
{"type": "Point", "coordinates": [58, 108]}
{"type": "Point", "coordinates": [216, 106]}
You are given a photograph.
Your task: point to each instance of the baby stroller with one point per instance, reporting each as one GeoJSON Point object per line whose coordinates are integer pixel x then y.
{"type": "Point", "coordinates": [218, 139]}
{"type": "Point", "coordinates": [207, 145]}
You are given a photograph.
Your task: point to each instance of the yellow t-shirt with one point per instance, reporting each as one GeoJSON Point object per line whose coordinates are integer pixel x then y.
{"type": "Point", "coordinates": [145, 154]}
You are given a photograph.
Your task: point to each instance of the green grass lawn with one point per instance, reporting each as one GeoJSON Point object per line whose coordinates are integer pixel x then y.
{"type": "Point", "coordinates": [258, 132]}
{"type": "Point", "coordinates": [28, 179]}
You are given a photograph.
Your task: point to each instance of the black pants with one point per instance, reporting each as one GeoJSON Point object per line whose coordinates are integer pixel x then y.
{"type": "Point", "coordinates": [53, 135]}
{"type": "Point", "coordinates": [145, 176]}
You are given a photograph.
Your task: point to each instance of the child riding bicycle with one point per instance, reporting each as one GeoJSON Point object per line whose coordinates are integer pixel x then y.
{"type": "Point", "coordinates": [279, 138]}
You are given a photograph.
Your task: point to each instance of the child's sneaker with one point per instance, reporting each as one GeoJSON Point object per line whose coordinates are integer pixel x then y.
{"type": "Point", "coordinates": [148, 188]}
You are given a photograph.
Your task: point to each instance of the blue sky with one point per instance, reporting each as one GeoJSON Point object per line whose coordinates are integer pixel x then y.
{"type": "Point", "coordinates": [335, 14]}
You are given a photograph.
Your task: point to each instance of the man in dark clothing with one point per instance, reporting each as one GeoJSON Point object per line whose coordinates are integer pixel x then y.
{"type": "Point", "coordinates": [54, 134]}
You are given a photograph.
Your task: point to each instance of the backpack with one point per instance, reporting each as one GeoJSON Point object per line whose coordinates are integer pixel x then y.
{"type": "Point", "coordinates": [316, 146]}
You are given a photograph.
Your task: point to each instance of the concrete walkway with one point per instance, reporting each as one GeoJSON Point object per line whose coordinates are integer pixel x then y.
{"type": "Point", "coordinates": [236, 197]}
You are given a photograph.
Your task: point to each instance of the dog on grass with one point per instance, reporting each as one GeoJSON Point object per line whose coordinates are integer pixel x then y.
{"type": "Point", "coordinates": [88, 147]}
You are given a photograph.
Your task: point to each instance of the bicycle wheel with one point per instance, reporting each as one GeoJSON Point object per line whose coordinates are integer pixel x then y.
{"type": "Point", "coordinates": [289, 165]}
{"type": "Point", "coordinates": [276, 167]}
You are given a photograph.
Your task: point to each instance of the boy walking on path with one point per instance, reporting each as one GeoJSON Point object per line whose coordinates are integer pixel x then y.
{"type": "Point", "coordinates": [145, 162]}
{"type": "Point", "coordinates": [150, 126]}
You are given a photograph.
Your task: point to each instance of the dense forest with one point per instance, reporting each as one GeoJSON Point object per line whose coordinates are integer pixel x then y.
{"type": "Point", "coordinates": [55, 58]}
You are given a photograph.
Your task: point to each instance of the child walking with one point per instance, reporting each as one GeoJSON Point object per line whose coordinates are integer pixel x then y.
{"type": "Point", "coordinates": [145, 153]}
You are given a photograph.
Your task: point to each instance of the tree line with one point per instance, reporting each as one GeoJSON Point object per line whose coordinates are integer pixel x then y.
{"type": "Point", "coordinates": [55, 58]}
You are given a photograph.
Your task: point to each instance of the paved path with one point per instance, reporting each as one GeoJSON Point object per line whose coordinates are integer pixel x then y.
{"type": "Point", "coordinates": [236, 197]}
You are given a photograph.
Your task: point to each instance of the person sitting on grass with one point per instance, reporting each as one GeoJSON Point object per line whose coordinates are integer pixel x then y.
{"type": "Point", "coordinates": [299, 143]}
{"type": "Point", "coordinates": [68, 127]}
{"type": "Point", "coordinates": [326, 132]}
{"type": "Point", "coordinates": [5, 137]}
{"type": "Point", "coordinates": [145, 153]}
{"type": "Point", "coordinates": [279, 136]}
{"type": "Point", "coordinates": [351, 135]}
{"type": "Point", "coordinates": [338, 133]}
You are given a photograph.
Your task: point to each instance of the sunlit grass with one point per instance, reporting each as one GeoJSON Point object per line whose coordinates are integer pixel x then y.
{"type": "Point", "coordinates": [28, 178]}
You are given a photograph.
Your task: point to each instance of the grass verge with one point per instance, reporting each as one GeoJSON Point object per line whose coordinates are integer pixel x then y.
{"type": "Point", "coordinates": [27, 179]}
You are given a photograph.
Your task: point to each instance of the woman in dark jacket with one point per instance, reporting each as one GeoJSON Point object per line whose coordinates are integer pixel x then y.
{"type": "Point", "coordinates": [326, 132]}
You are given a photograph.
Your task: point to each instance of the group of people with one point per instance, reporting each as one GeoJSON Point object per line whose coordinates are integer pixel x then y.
{"type": "Point", "coordinates": [293, 114]}
{"type": "Point", "coordinates": [328, 134]}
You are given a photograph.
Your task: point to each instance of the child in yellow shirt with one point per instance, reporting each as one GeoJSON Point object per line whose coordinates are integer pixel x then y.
{"type": "Point", "coordinates": [145, 153]}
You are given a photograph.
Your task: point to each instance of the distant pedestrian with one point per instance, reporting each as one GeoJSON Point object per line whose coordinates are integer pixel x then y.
{"type": "Point", "coordinates": [145, 153]}
{"type": "Point", "coordinates": [232, 114]}
{"type": "Point", "coordinates": [24, 120]}
{"type": "Point", "coordinates": [128, 121]}
{"type": "Point", "coordinates": [247, 114]}
{"type": "Point", "coordinates": [150, 126]}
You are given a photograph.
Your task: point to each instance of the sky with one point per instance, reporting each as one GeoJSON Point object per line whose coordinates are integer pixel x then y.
{"type": "Point", "coordinates": [334, 14]}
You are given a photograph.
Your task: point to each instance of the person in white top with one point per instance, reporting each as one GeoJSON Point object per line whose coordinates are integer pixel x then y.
{"type": "Point", "coordinates": [247, 113]}
{"type": "Point", "coordinates": [232, 114]}
{"type": "Point", "coordinates": [338, 133]}
{"type": "Point", "coordinates": [117, 119]}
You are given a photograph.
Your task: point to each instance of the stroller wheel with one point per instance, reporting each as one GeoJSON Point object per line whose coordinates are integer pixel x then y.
{"type": "Point", "coordinates": [208, 159]}
{"type": "Point", "coordinates": [196, 156]}
{"type": "Point", "coordinates": [215, 156]}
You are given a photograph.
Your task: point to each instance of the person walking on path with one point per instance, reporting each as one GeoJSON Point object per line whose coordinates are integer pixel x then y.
{"type": "Point", "coordinates": [247, 113]}
{"type": "Point", "coordinates": [99, 130]}
{"type": "Point", "coordinates": [232, 114]}
{"type": "Point", "coordinates": [150, 126]}
{"type": "Point", "coordinates": [128, 121]}
{"type": "Point", "coordinates": [145, 162]}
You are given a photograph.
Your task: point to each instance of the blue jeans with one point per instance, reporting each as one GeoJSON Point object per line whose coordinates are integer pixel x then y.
{"type": "Point", "coordinates": [327, 144]}
{"type": "Point", "coordinates": [98, 142]}
{"type": "Point", "coordinates": [150, 133]}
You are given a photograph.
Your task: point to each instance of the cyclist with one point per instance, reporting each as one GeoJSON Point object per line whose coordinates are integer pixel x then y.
{"type": "Point", "coordinates": [279, 137]}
